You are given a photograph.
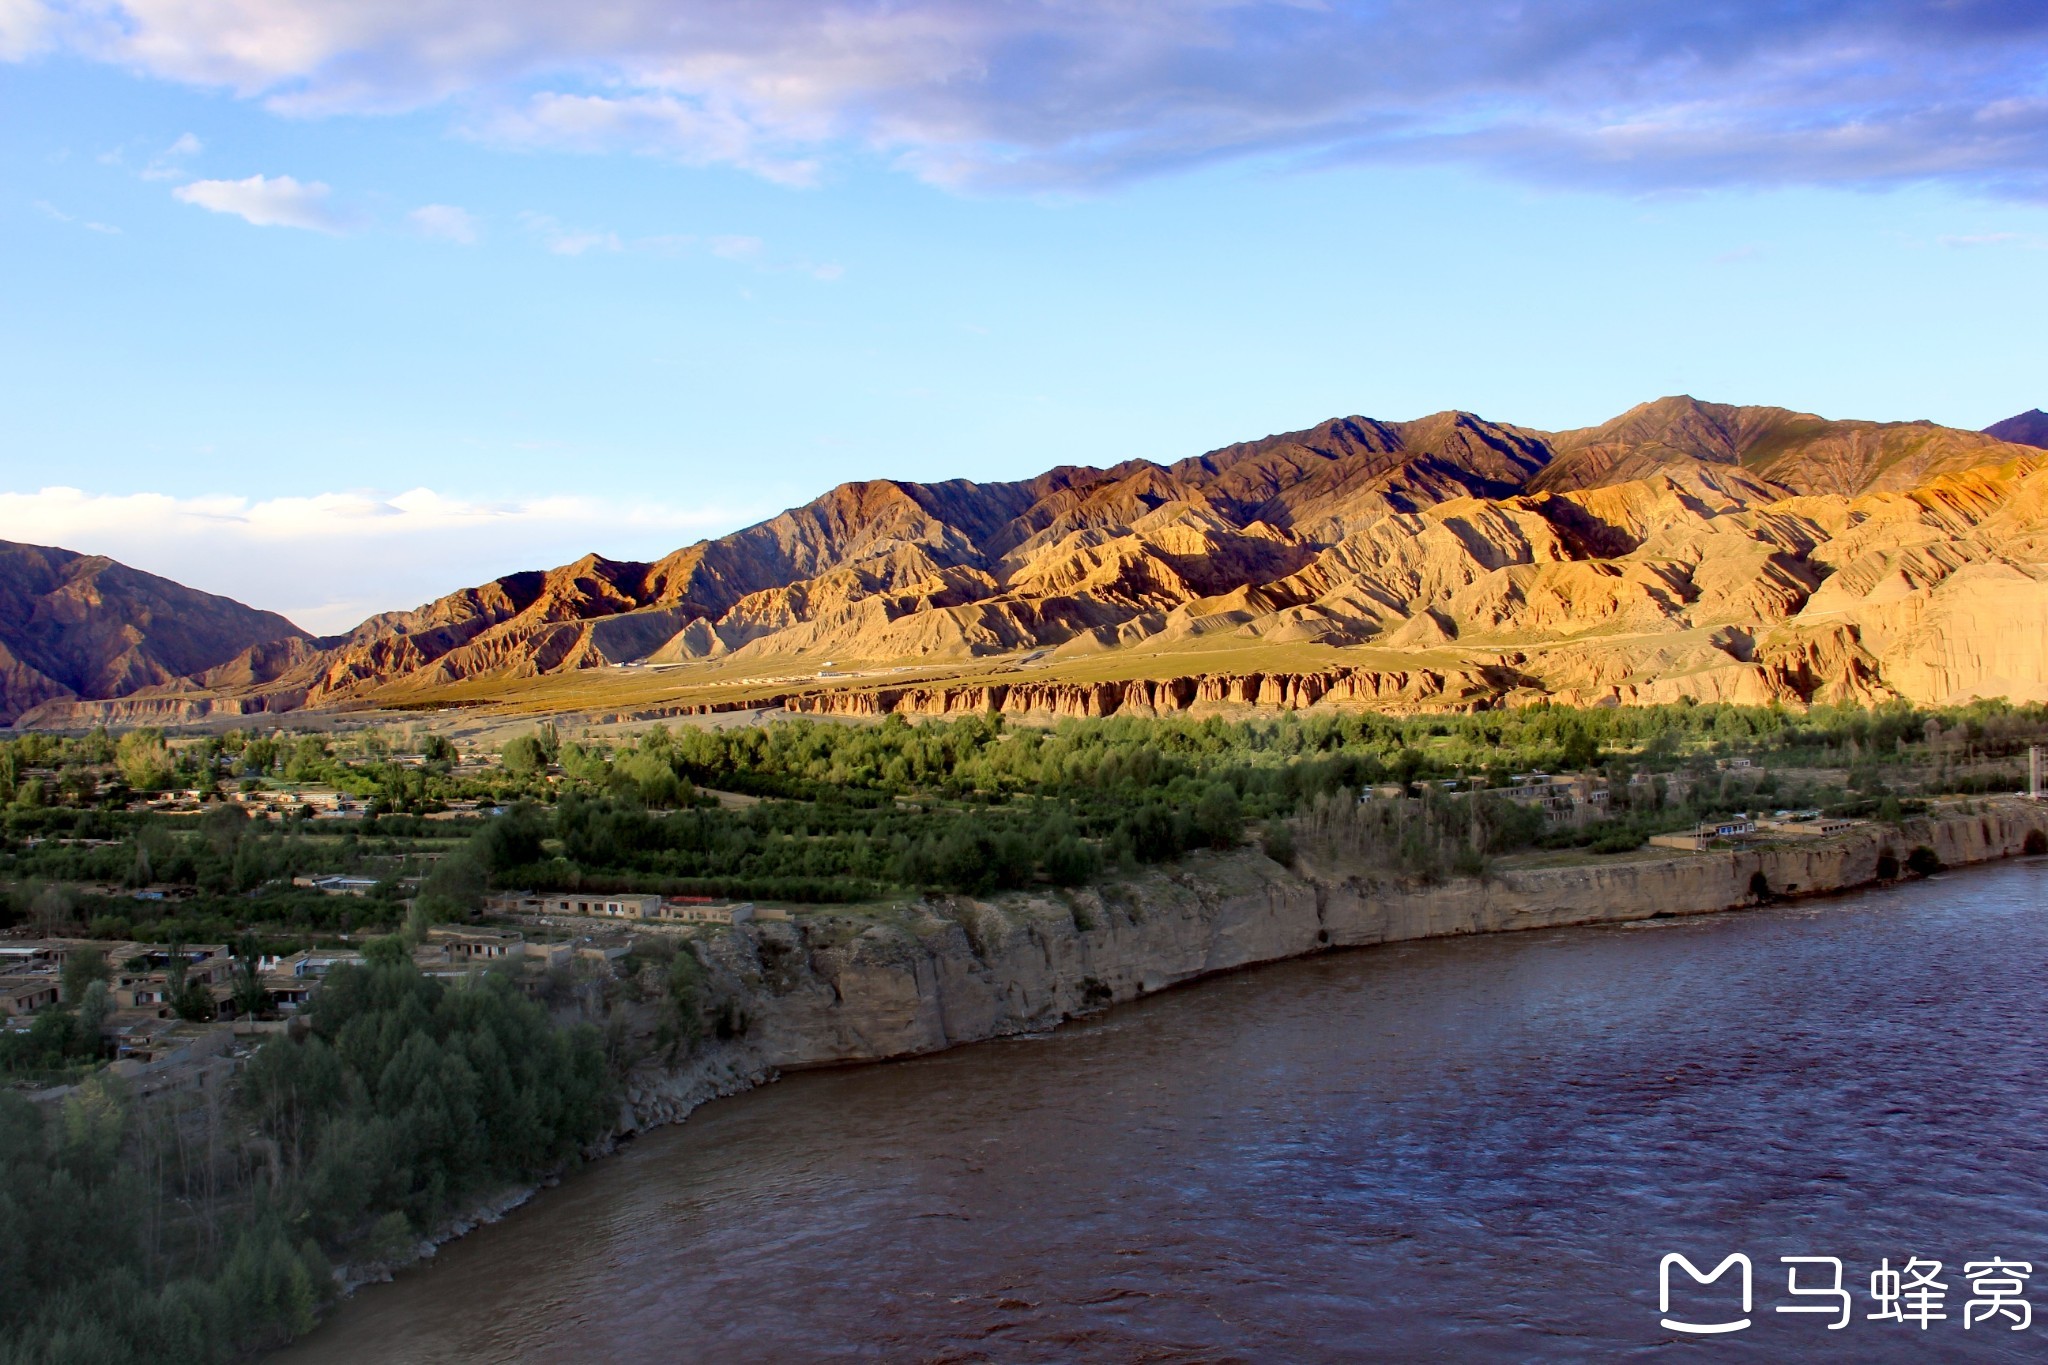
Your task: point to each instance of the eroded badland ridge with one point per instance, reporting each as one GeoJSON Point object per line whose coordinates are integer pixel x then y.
{"type": "Point", "coordinates": [1684, 549]}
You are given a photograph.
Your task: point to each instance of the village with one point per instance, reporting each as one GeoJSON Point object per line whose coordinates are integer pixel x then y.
{"type": "Point", "coordinates": [275, 859]}
{"type": "Point", "coordinates": [173, 1017]}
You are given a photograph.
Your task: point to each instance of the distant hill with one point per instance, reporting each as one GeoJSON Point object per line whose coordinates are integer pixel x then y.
{"type": "Point", "coordinates": [1683, 549]}
{"type": "Point", "coordinates": [1795, 450]}
{"type": "Point", "coordinates": [84, 626]}
{"type": "Point", "coordinates": [2030, 428]}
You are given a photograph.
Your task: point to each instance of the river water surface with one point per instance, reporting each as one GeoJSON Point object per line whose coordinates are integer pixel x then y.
{"type": "Point", "coordinates": [1471, 1149]}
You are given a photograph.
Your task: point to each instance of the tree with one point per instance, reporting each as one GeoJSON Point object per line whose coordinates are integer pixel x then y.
{"type": "Point", "coordinates": [188, 999]}
{"type": "Point", "coordinates": [223, 827]}
{"type": "Point", "coordinates": [683, 1016]}
{"type": "Point", "coordinates": [1219, 818]}
{"type": "Point", "coordinates": [95, 1003]}
{"type": "Point", "coordinates": [250, 997]}
{"type": "Point", "coordinates": [1581, 750]}
{"type": "Point", "coordinates": [509, 840]}
{"type": "Point", "coordinates": [145, 760]}
{"type": "Point", "coordinates": [522, 756]}
{"type": "Point", "coordinates": [1069, 861]}
{"type": "Point", "coordinates": [52, 910]}
{"type": "Point", "coordinates": [82, 967]}
{"type": "Point", "coordinates": [454, 890]}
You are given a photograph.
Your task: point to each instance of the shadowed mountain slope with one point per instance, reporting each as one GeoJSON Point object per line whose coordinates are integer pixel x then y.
{"type": "Point", "coordinates": [2029, 428]}
{"type": "Point", "coordinates": [75, 625]}
{"type": "Point", "coordinates": [1797, 451]}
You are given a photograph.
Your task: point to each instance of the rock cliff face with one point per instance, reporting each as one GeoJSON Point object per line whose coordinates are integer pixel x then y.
{"type": "Point", "coordinates": [821, 992]}
{"type": "Point", "coordinates": [1156, 697]}
{"type": "Point", "coordinates": [1684, 549]}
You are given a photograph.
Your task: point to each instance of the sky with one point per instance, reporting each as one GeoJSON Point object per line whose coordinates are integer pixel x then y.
{"type": "Point", "coordinates": [336, 308]}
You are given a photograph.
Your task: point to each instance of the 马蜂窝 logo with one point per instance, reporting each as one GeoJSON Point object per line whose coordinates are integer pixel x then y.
{"type": "Point", "coordinates": [1911, 1295]}
{"type": "Point", "coordinates": [1702, 1328]}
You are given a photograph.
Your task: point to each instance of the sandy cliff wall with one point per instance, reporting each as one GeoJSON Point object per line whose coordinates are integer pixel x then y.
{"type": "Point", "coordinates": [1422, 687]}
{"type": "Point", "coordinates": [824, 991]}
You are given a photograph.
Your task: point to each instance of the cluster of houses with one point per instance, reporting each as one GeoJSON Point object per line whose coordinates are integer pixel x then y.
{"type": "Point", "coordinates": [633, 906]}
{"type": "Point", "coordinates": [143, 980]}
{"type": "Point", "coordinates": [348, 884]}
{"type": "Point", "coordinates": [303, 803]}
{"type": "Point", "coordinates": [454, 951]}
{"type": "Point", "coordinates": [316, 803]}
{"type": "Point", "coordinates": [1784, 824]}
{"type": "Point", "coordinates": [151, 1043]}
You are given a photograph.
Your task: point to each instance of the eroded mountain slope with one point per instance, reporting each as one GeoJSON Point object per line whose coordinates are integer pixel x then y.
{"type": "Point", "coordinates": [75, 625]}
{"type": "Point", "coordinates": [1682, 549]}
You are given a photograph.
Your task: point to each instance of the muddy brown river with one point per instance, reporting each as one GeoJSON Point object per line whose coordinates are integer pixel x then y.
{"type": "Point", "coordinates": [1474, 1149]}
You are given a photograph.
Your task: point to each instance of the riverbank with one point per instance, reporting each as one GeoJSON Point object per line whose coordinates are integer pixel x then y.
{"type": "Point", "coordinates": [838, 989]}
{"type": "Point", "coordinates": [826, 990]}
{"type": "Point", "coordinates": [1392, 1153]}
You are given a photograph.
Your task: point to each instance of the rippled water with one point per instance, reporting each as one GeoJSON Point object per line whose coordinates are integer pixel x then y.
{"type": "Point", "coordinates": [1474, 1149]}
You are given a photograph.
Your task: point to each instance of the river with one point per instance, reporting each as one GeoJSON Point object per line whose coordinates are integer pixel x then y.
{"type": "Point", "coordinates": [1472, 1149]}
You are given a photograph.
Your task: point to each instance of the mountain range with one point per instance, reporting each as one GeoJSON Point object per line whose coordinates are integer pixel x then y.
{"type": "Point", "coordinates": [1683, 549]}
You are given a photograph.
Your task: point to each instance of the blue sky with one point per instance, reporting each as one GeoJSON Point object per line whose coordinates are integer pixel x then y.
{"type": "Point", "coordinates": [337, 308]}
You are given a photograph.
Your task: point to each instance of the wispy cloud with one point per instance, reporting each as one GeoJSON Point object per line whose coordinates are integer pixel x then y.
{"type": "Point", "coordinates": [330, 559]}
{"type": "Point", "coordinates": [735, 248]}
{"type": "Point", "coordinates": [740, 249]}
{"type": "Point", "coordinates": [444, 222]}
{"type": "Point", "coordinates": [700, 133]}
{"type": "Point", "coordinates": [1630, 95]}
{"type": "Point", "coordinates": [51, 211]}
{"type": "Point", "coordinates": [169, 164]}
{"type": "Point", "coordinates": [269, 201]}
{"type": "Point", "coordinates": [572, 241]}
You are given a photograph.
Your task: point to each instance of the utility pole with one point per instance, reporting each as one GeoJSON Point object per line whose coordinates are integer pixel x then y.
{"type": "Point", "coordinates": [2034, 772]}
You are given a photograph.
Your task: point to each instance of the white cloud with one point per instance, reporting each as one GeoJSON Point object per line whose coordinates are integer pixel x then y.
{"type": "Point", "coordinates": [568, 241]}
{"type": "Point", "coordinates": [445, 222]}
{"type": "Point", "coordinates": [268, 201]}
{"type": "Point", "coordinates": [23, 26]}
{"type": "Point", "coordinates": [1627, 94]}
{"type": "Point", "coordinates": [169, 164]}
{"type": "Point", "coordinates": [329, 560]}
{"type": "Point", "coordinates": [736, 248]}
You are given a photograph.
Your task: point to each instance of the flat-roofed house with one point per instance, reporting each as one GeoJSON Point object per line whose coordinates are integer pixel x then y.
{"type": "Point", "coordinates": [694, 911]}
{"type": "Point", "coordinates": [477, 945]}
{"type": "Point", "coordinates": [603, 905]}
{"type": "Point", "coordinates": [25, 994]}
